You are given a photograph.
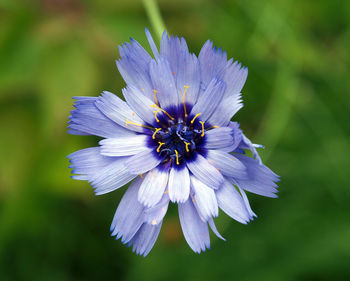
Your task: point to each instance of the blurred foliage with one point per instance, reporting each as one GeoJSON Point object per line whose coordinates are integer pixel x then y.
{"type": "Point", "coordinates": [297, 103]}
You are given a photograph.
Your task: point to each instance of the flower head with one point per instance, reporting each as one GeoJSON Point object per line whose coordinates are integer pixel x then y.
{"type": "Point", "coordinates": [173, 136]}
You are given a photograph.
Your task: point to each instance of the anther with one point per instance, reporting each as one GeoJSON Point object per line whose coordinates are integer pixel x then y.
{"type": "Point", "coordinates": [154, 134]}
{"type": "Point", "coordinates": [177, 157]}
{"type": "Point", "coordinates": [194, 118]}
{"type": "Point", "coordinates": [183, 100]}
{"type": "Point", "coordinates": [202, 134]}
{"type": "Point", "coordinates": [160, 145]}
{"type": "Point", "coordinates": [187, 144]}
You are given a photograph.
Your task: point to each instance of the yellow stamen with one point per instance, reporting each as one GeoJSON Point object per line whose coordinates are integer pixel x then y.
{"type": "Point", "coordinates": [160, 145]}
{"type": "Point", "coordinates": [177, 157]}
{"type": "Point", "coordinates": [183, 100]}
{"type": "Point", "coordinates": [141, 176]}
{"type": "Point", "coordinates": [155, 97]}
{"type": "Point", "coordinates": [194, 118]}
{"type": "Point", "coordinates": [187, 144]}
{"type": "Point", "coordinates": [212, 127]}
{"type": "Point", "coordinates": [162, 110]}
{"type": "Point", "coordinates": [202, 134]}
{"type": "Point", "coordinates": [154, 134]}
{"type": "Point", "coordinates": [155, 115]}
{"type": "Point", "coordinates": [140, 125]}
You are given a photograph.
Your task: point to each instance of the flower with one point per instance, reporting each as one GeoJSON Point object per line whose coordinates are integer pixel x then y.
{"type": "Point", "coordinates": [173, 137]}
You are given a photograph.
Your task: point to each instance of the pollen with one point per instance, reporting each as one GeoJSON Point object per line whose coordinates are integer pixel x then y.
{"type": "Point", "coordinates": [154, 222]}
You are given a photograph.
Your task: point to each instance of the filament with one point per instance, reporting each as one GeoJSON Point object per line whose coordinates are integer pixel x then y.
{"type": "Point", "coordinates": [194, 118]}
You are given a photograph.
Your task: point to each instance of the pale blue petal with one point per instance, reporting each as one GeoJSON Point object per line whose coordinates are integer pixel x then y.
{"type": "Point", "coordinates": [86, 119]}
{"type": "Point", "coordinates": [232, 203]}
{"type": "Point", "coordinates": [195, 230]}
{"type": "Point", "coordinates": [209, 99]}
{"type": "Point", "coordinates": [153, 187]}
{"type": "Point", "coordinates": [129, 215]}
{"type": "Point", "coordinates": [123, 146]}
{"type": "Point", "coordinates": [235, 76]}
{"type": "Point", "coordinates": [164, 83]}
{"type": "Point", "coordinates": [142, 162]}
{"type": "Point", "coordinates": [151, 43]}
{"type": "Point", "coordinates": [247, 144]}
{"type": "Point", "coordinates": [204, 199]}
{"type": "Point", "coordinates": [111, 177]}
{"type": "Point", "coordinates": [119, 111]}
{"type": "Point", "coordinates": [205, 172]}
{"type": "Point", "coordinates": [188, 78]}
{"type": "Point", "coordinates": [219, 138]}
{"type": "Point", "coordinates": [88, 162]}
{"type": "Point", "coordinates": [247, 204]}
{"type": "Point", "coordinates": [145, 238]}
{"type": "Point", "coordinates": [227, 164]}
{"type": "Point", "coordinates": [213, 228]}
{"type": "Point", "coordinates": [138, 102]}
{"type": "Point", "coordinates": [226, 109]}
{"type": "Point", "coordinates": [261, 180]}
{"type": "Point", "coordinates": [155, 214]}
{"type": "Point", "coordinates": [179, 185]}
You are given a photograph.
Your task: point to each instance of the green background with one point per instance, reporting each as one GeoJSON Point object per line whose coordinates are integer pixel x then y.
{"type": "Point", "coordinates": [297, 103]}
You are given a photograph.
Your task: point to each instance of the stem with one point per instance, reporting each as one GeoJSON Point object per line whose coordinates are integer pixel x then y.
{"type": "Point", "coordinates": [154, 16]}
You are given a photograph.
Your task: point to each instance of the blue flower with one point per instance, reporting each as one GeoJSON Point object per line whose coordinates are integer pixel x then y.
{"type": "Point", "coordinates": [174, 138]}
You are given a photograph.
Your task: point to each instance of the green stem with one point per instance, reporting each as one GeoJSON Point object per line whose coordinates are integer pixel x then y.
{"type": "Point", "coordinates": [154, 16]}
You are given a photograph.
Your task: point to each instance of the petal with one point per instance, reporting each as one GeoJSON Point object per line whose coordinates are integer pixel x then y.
{"type": "Point", "coordinates": [142, 162]}
{"type": "Point", "coordinates": [88, 162]}
{"type": "Point", "coordinates": [179, 184]}
{"type": "Point", "coordinates": [218, 138]}
{"type": "Point", "coordinates": [86, 119]}
{"type": "Point", "coordinates": [123, 146]}
{"type": "Point", "coordinates": [212, 62]}
{"type": "Point", "coordinates": [155, 214]}
{"type": "Point", "coordinates": [246, 202]}
{"type": "Point", "coordinates": [226, 109]}
{"type": "Point", "coordinates": [205, 172]}
{"type": "Point", "coordinates": [232, 203]}
{"type": "Point", "coordinates": [213, 228]}
{"type": "Point", "coordinates": [235, 77]}
{"type": "Point", "coordinates": [194, 229]}
{"type": "Point", "coordinates": [204, 200]}
{"type": "Point", "coordinates": [227, 164]}
{"type": "Point", "coordinates": [145, 238]}
{"type": "Point", "coordinates": [129, 215]}
{"type": "Point", "coordinates": [151, 43]}
{"type": "Point", "coordinates": [119, 111]}
{"type": "Point", "coordinates": [188, 78]}
{"type": "Point", "coordinates": [261, 180]}
{"type": "Point", "coordinates": [247, 144]}
{"type": "Point", "coordinates": [171, 48]}
{"type": "Point", "coordinates": [111, 177]}
{"type": "Point", "coordinates": [153, 187]}
{"type": "Point", "coordinates": [139, 103]}
{"type": "Point", "coordinates": [209, 99]}
{"type": "Point", "coordinates": [163, 83]}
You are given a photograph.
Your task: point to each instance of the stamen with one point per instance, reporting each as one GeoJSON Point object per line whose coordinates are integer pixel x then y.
{"type": "Point", "coordinates": [202, 134]}
{"type": "Point", "coordinates": [157, 106]}
{"type": "Point", "coordinates": [194, 118]}
{"type": "Point", "coordinates": [155, 97]}
{"type": "Point", "coordinates": [155, 115]}
{"type": "Point", "coordinates": [140, 125]}
{"type": "Point", "coordinates": [212, 127]}
{"type": "Point", "coordinates": [177, 157]}
{"type": "Point", "coordinates": [183, 100]}
{"type": "Point", "coordinates": [160, 145]}
{"type": "Point", "coordinates": [187, 144]}
{"type": "Point", "coordinates": [154, 134]}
